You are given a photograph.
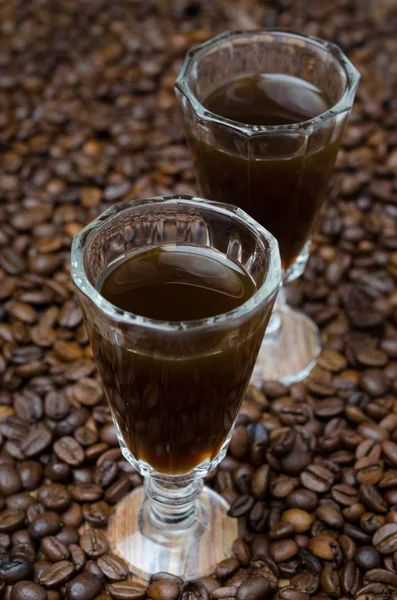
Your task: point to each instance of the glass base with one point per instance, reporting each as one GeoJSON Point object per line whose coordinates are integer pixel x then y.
{"type": "Point", "coordinates": [189, 552]}
{"type": "Point", "coordinates": [291, 353]}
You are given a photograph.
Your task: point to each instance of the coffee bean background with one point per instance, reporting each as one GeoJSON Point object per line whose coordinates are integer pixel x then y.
{"type": "Point", "coordinates": [88, 118]}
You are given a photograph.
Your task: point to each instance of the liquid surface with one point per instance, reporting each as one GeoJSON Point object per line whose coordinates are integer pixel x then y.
{"type": "Point", "coordinates": [175, 396]}
{"type": "Point", "coordinates": [177, 283]}
{"type": "Point", "coordinates": [280, 180]}
{"type": "Point", "coordinates": [272, 99]}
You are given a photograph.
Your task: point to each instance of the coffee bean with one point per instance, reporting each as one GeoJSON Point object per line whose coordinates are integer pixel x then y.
{"type": "Point", "coordinates": [242, 552]}
{"type": "Point", "coordinates": [127, 591]}
{"type": "Point", "coordinates": [85, 436]}
{"type": "Point", "coordinates": [113, 567]}
{"type": "Point", "coordinates": [77, 557]}
{"type": "Point", "coordinates": [344, 494]}
{"type": "Point", "coordinates": [330, 515]}
{"type": "Point", "coordinates": [11, 520]}
{"type": "Point", "coordinates": [31, 474]}
{"type": "Point", "coordinates": [255, 588]}
{"type": "Point", "coordinates": [317, 478]}
{"type": "Point", "coordinates": [56, 574]}
{"type": "Point", "coordinates": [68, 535]}
{"type": "Point", "coordinates": [28, 590]}
{"type": "Point", "coordinates": [117, 490]}
{"type": "Point", "coordinates": [372, 499]}
{"type": "Point", "coordinates": [226, 568]}
{"type": "Point", "coordinates": [260, 482]}
{"type": "Point", "coordinates": [57, 472]}
{"type": "Point", "coordinates": [241, 506]}
{"type": "Point", "coordinates": [45, 525]}
{"type": "Point", "coordinates": [381, 576]}
{"type": "Point", "coordinates": [163, 590]}
{"type": "Point", "coordinates": [73, 515]}
{"type": "Point", "coordinates": [87, 391]}
{"type": "Point", "coordinates": [10, 480]}
{"type": "Point", "coordinates": [14, 567]}
{"type": "Point", "coordinates": [367, 557]}
{"type": "Point", "coordinates": [385, 539]}
{"type": "Point", "coordinates": [97, 514]}
{"type": "Point", "coordinates": [83, 587]}
{"type": "Point", "coordinates": [86, 492]}
{"type": "Point", "coordinates": [94, 543]}
{"type": "Point", "coordinates": [56, 406]}
{"type": "Point", "coordinates": [36, 441]}
{"type": "Point", "coordinates": [324, 546]}
{"type": "Point", "coordinates": [69, 451]}
{"type": "Point", "coordinates": [300, 519]}
{"type": "Point", "coordinates": [55, 497]}
{"type": "Point", "coordinates": [53, 549]}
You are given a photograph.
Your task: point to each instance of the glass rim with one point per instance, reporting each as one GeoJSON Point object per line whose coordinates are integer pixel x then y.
{"type": "Point", "coordinates": [268, 287]}
{"type": "Point", "coordinates": [344, 103]}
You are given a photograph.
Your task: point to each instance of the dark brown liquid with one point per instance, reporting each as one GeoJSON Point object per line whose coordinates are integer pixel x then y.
{"type": "Point", "coordinates": [276, 178]}
{"type": "Point", "coordinates": [176, 401]}
{"type": "Point", "coordinates": [177, 283]}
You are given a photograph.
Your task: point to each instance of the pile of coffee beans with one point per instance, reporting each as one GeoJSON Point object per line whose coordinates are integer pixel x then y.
{"type": "Point", "coordinates": [87, 118]}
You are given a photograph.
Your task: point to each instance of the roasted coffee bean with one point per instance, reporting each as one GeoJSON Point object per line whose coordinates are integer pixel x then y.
{"type": "Point", "coordinates": [317, 478]}
{"type": "Point", "coordinates": [304, 499]}
{"type": "Point", "coordinates": [94, 543]}
{"type": "Point", "coordinates": [11, 519]}
{"type": "Point", "coordinates": [77, 557]}
{"type": "Point", "coordinates": [84, 587]}
{"type": "Point", "coordinates": [367, 557]}
{"type": "Point", "coordinates": [113, 567]}
{"type": "Point", "coordinates": [53, 549]}
{"type": "Point", "coordinates": [164, 590]}
{"type": "Point", "coordinates": [128, 591]}
{"type": "Point", "coordinates": [56, 574]}
{"type": "Point", "coordinates": [46, 524]}
{"type": "Point", "coordinates": [300, 519]}
{"type": "Point", "coordinates": [324, 546]}
{"type": "Point", "coordinates": [195, 590]}
{"type": "Point", "coordinates": [68, 535]}
{"type": "Point", "coordinates": [385, 538]}
{"type": "Point", "coordinates": [56, 406]}
{"type": "Point", "coordinates": [10, 480]}
{"type": "Point", "coordinates": [255, 588]}
{"type": "Point", "coordinates": [241, 506]}
{"type": "Point", "coordinates": [14, 567]}
{"type": "Point", "coordinates": [30, 473]}
{"type": "Point", "coordinates": [57, 472]}
{"type": "Point", "coordinates": [224, 592]}
{"type": "Point", "coordinates": [372, 499]}
{"type": "Point", "coordinates": [97, 514]}
{"type": "Point", "coordinates": [55, 497]}
{"type": "Point", "coordinates": [242, 552]}
{"type": "Point", "coordinates": [28, 590]}
{"type": "Point", "coordinates": [226, 568]}
{"type": "Point", "coordinates": [36, 441]}
{"type": "Point", "coordinates": [117, 490]}
{"type": "Point", "coordinates": [329, 580]}
{"type": "Point", "coordinates": [69, 451]}
{"type": "Point", "coordinates": [73, 515]}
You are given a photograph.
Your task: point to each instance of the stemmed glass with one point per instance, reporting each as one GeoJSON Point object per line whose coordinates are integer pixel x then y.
{"type": "Point", "coordinates": [174, 388]}
{"type": "Point", "coordinates": [278, 174]}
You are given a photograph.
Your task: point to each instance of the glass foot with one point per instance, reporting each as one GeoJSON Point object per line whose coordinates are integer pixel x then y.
{"type": "Point", "coordinates": [187, 552]}
{"type": "Point", "coordinates": [291, 354]}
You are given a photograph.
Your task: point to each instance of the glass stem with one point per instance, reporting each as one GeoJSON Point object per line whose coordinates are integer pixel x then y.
{"type": "Point", "coordinates": [275, 323]}
{"type": "Point", "coordinates": [171, 503]}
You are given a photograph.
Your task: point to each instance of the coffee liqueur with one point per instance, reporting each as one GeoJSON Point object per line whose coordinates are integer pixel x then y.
{"type": "Point", "coordinates": [278, 179]}
{"type": "Point", "coordinates": [173, 412]}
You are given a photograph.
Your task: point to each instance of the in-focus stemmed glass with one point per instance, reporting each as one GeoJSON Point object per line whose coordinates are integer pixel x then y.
{"type": "Point", "coordinates": [277, 174]}
{"type": "Point", "coordinates": [174, 388]}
